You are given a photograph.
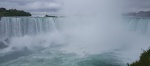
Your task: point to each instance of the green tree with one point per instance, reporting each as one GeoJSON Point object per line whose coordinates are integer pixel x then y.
{"type": "Point", "coordinates": [144, 59]}
{"type": "Point", "coordinates": [13, 12]}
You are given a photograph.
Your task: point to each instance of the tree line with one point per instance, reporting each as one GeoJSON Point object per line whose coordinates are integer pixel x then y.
{"type": "Point", "coordinates": [13, 12]}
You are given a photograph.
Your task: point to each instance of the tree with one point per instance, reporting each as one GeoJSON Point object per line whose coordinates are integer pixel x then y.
{"type": "Point", "coordinates": [13, 12]}
{"type": "Point", "coordinates": [2, 9]}
{"type": "Point", "coordinates": [144, 59]}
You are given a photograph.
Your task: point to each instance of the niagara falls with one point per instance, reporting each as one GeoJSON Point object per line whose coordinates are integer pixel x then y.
{"type": "Point", "coordinates": [74, 33]}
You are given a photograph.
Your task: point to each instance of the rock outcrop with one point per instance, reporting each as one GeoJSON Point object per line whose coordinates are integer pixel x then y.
{"type": "Point", "coordinates": [4, 43]}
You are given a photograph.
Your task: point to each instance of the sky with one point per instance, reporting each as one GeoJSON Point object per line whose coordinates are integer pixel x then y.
{"type": "Point", "coordinates": [42, 7]}
{"type": "Point", "coordinates": [137, 5]}
{"type": "Point", "coordinates": [35, 7]}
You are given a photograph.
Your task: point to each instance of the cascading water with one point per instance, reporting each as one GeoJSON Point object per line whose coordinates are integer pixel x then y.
{"type": "Point", "coordinates": [74, 46]}
{"type": "Point", "coordinates": [84, 37]}
{"type": "Point", "coordinates": [20, 26]}
{"type": "Point", "coordinates": [139, 24]}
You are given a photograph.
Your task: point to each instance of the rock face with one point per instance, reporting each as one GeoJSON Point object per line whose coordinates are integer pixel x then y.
{"type": "Point", "coordinates": [5, 43]}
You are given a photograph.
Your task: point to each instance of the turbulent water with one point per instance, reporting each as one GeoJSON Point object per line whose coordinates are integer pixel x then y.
{"type": "Point", "coordinates": [55, 41]}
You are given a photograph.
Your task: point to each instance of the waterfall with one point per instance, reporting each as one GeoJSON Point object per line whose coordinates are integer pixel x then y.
{"type": "Point", "coordinates": [20, 26]}
{"type": "Point", "coordinates": [139, 24]}
{"type": "Point", "coordinates": [78, 39]}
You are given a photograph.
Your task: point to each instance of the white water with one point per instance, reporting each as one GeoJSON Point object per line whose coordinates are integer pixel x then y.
{"type": "Point", "coordinates": [20, 26]}
{"type": "Point", "coordinates": [77, 42]}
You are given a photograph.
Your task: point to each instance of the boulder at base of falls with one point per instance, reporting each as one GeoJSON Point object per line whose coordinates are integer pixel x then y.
{"type": "Point", "coordinates": [3, 45]}
{"type": "Point", "coordinates": [7, 40]}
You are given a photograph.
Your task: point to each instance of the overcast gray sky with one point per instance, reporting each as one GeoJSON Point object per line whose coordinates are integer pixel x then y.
{"type": "Point", "coordinates": [39, 7]}
{"type": "Point", "coordinates": [137, 5]}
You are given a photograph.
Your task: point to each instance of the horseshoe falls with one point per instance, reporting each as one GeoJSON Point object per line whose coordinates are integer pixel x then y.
{"type": "Point", "coordinates": [139, 24]}
{"type": "Point", "coordinates": [54, 42]}
{"type": "Point", "coordinates": [90, 33]}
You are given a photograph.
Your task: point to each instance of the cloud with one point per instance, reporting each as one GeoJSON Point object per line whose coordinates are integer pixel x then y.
{"type": "Point", "coordinates": [41, 6]}
{"type": "Point", "coordinates": [32, 6]}
{"type": "Point", "coordinates": [46, 6]}
{"type": "Point", "coordinates": [137, 5]}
